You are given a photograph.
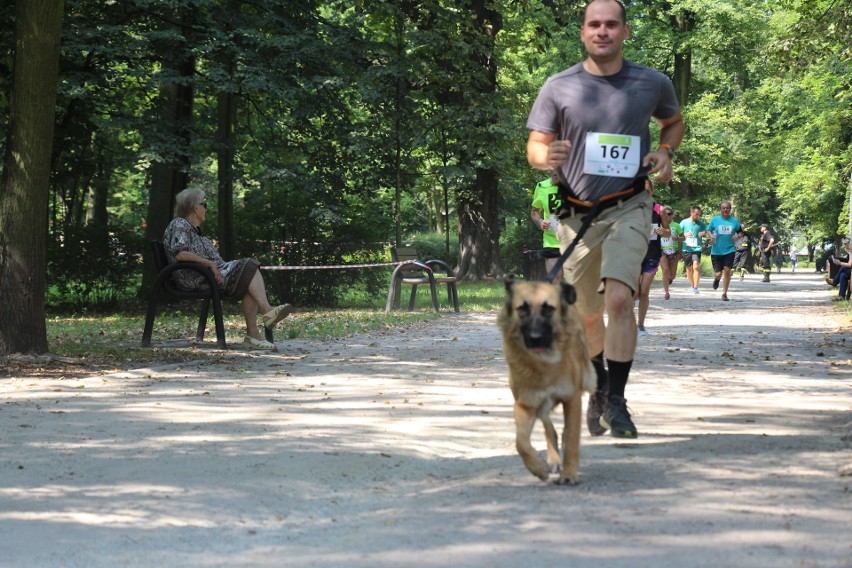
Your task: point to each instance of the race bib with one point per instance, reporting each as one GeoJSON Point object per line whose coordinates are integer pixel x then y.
{"type": "Point", "coordinates": [612, 155]}
{"type": "Point", "coordinates": [724, 230]}
{"type": "Point", "coordinates": [667, 242]}
{"type": "Point", "coordinates": [691, 242]}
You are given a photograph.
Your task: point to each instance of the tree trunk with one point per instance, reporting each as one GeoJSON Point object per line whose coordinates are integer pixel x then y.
{"type": "Point", "coordinates": [227, 110]}
{"type": "Point", "coordinates": [683, 23]}
{"type": "Point", "coordinates": [227, 102]}
{"type": "Point", "coordinates": [479, 230]}
{"type": "Point", "coordinates": [171, 175]}
{"type": "Point", "coordinates": [26, 176]}
{"type": "Point", "coordinates": [100, 185]}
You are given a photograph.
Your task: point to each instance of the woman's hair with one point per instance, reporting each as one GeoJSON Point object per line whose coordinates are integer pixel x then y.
{"type": "Point", "coordinates": [186, 200]}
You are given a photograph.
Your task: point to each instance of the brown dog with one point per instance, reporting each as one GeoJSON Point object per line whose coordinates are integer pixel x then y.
{"type": "Point", "coordinates": [545, 347]}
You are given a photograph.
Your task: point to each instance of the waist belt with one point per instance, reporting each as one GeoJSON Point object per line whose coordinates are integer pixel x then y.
{"type": "Point", "coordinates": [572, 204]}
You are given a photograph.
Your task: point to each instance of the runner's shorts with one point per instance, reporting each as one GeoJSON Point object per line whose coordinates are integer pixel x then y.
{"type": "Point", "coordinates": [721, 261]}
{"type": "Point", "coordinates": [613, 247]}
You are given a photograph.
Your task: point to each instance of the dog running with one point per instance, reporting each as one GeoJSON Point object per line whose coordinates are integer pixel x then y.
{"type": "Point", "coordinates": [548, 357]}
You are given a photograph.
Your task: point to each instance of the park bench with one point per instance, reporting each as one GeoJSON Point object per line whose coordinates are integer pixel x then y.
{"type": "Point", "coordinates": [211, 295]}
{"type": "Point", "coordinates": [419, 272]}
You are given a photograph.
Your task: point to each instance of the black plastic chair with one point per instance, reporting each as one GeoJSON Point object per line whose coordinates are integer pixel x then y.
{"type": "Point", "coordinates": [212, 294]}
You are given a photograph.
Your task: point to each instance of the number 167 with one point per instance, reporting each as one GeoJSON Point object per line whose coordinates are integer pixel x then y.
{"type": "Point", "coordinates": [614, 152]}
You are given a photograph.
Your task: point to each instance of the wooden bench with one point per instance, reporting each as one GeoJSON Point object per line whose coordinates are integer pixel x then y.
{"type": "Point", "coordinates": [419, 272]}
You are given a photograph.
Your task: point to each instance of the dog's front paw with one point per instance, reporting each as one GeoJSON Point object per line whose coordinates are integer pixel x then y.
{"type": "Point", "coordinates": [568, 479]}
{"type": "Point", "coordinates": [539, 468]}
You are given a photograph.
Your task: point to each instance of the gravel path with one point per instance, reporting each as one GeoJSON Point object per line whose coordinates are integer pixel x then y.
{"type": "Point", "coordinates": [397, 449]}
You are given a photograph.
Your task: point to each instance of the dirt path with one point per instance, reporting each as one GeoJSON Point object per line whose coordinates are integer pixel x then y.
{"type": "Point", "coordinates": [398, 450]}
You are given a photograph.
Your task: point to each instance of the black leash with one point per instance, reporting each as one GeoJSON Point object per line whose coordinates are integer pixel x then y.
{"type": "Point", "coordinates": [587, 222]}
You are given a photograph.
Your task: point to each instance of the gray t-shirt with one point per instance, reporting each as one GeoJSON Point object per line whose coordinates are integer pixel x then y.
{"type": "Point", "coordinates": [573, 103]}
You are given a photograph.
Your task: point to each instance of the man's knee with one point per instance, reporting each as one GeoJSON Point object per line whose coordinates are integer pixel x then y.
{"type": "Point", "coordinates": [619, 297]}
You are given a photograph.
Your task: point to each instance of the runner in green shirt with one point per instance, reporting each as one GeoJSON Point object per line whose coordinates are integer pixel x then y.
{"type": "Point", "coordinates": [546, 202]}
{"type": "Point", "coordinates": [670, 243]}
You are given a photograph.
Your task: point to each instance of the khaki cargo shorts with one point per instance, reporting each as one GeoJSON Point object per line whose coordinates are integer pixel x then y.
{"type": "Point", "coordinates": [613, 247]}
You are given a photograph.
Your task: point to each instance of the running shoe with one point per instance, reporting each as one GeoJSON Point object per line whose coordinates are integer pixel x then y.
{"type": "Point", "coordinates": [724, 297]}
{"type": "Point", "coordinates": [616, 418]}
{"type": "Point", "coordinates": [716, 283]}
{"type": "Point", "coordinates": [597, 401]}
{"type": "Point", "coordinates": [641, 330]}
{"type": "Point", "coordinates": [667, 296]}
{"type": "Point", "coordinates": [252, 344]}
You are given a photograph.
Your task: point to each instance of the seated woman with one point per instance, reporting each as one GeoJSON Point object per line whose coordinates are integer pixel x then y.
{"type": "Point", "coordinates": [239, 279]}
{"type": "Point", "coordinates": [842, 277]}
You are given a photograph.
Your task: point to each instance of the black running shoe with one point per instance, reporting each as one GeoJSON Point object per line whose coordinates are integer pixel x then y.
{"type": "Point", "coordinates": [716, 283]}
{"type": "Point", "coordinates": [597, 400]}
{"type": "Point", "coordinates": [616, 418]}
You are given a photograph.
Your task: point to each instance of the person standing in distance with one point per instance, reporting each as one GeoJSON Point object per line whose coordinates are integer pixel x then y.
{"type": "Point", "coordinates": [545, 203]}
{"type": "Point", "coordinates": [694, 230]}
{"type": "Point", "coordinates": [764, 245]}
{"type": "Point", "coordinates": [722, 229]}
{"type": "Point", "coordinates": [590, 123]}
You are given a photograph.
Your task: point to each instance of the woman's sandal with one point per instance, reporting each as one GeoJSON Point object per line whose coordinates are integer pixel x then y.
{"type": "Point", "coordinates": [276, 314]}
{"type": "Point", "coordinates": [251, 343]}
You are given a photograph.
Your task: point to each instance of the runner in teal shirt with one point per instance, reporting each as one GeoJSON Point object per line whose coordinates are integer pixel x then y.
{"type": "Point", "coordinates": [722, 229]}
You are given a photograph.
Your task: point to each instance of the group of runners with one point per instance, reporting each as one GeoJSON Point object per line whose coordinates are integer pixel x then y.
{"type": "Point", "coordinates": [670, 241]}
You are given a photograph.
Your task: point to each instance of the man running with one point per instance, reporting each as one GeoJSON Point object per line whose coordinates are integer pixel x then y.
{"type": "Point", "coordinates": [722, 229]}
{"type": "Point", "coordinates": [694, 230]}
{"type": "Point", "coordinates": [591, 123]}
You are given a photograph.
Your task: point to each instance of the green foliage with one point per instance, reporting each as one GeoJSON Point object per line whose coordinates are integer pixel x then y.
{"type": "Point", "coordinates": [355, 119]}
{"type": "Point", "coordinates": [516, 238]}
{"type": "Point", "coordinates": [434, 246]}
{"type": "Point", "coordinates": [93, 267]}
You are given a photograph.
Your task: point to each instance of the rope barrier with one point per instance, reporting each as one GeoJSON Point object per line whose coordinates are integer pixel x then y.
{"type": "Point", "coordinates": [340, 266]}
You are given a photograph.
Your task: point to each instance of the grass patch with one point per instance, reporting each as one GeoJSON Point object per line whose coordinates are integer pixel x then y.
{"type": "Point", "coordinates": [113, 340]}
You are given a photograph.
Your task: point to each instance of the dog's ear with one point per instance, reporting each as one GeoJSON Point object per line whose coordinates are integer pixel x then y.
{"type": "Point", "coordinates": [569, 293]}
{"type": "Point", "coordinates": [508, 282]}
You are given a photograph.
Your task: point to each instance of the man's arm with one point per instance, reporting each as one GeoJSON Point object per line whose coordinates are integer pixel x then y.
{"type": "Point", "coordinates": [535, 215]}
{"type": "Point", "coordinates": [545, 152]}
{"type": "Point", "coordinates": [671, 134]}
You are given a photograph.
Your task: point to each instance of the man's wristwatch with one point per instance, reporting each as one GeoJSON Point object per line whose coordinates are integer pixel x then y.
{"type": "Point", "coordinates": [667, 148]}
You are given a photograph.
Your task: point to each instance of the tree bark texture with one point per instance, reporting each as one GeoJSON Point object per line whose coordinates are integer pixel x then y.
{"type": "Point", "coordinates": [26, 176]}
{"type": "Point", "coordinates": [479, 232]}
